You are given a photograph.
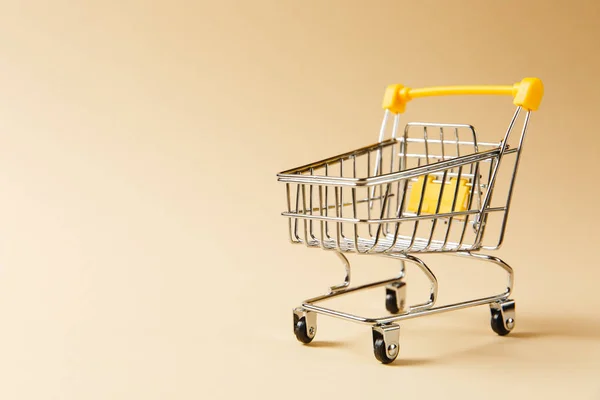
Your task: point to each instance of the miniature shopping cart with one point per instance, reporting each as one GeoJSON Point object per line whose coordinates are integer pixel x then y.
{"type": "Point", "coordinates": [429, 189]}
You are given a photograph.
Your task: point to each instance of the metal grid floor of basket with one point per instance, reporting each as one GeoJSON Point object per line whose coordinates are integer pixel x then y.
{"type": "Point", "coordinates": [384, 245]}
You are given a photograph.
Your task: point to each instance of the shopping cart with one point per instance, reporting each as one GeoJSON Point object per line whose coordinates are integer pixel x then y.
{"type": "Point", "coordinates": [428, 190]}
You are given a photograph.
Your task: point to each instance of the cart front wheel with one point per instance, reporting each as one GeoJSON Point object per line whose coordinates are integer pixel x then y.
{"type": "Point", "coordinates": [498, 325]}
{"type": "Point", "coordinates": [303, 333]}
{"type": "Point", "coordinates": [382, 353]}
{"type": "Point", "coordinates": [386, 339]}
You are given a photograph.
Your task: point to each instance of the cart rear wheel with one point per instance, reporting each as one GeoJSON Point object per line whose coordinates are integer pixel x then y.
{"type": "Point", "coordinates": [302, 332]}
{"type": "Point", "coordinates": [498, 324]}
{"type": "Point", "coordinates": [391, 304]}
{"type": "Point", "coordinates": [395, 297]}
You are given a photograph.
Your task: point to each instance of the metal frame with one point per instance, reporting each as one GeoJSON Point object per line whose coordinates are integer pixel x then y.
{"type": "Point", "coordinates": [326, 210]}
{"type": "Point", "coordinates": [415, 310]}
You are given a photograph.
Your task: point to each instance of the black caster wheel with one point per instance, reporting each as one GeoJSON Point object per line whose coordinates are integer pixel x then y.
{"type": "Point", "coordinates": [395, 295]}
{"type": "Point", "coordinates": [391, 303]}
{"type": "Point", "coordinates": [498, 324]}
{"type": "Point", "coordinates": [384, 352]}
{"type": "Point", "coordinates": [381, 353]}
{"type": "Point", "coordinates": [303, 333]}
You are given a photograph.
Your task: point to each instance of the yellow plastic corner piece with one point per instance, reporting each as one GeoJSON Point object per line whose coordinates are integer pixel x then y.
{"type": "Point", "coordinates": [432, 194]}
{"type": "Point", "coordinates": [395, 98]}
{"type": "Point", "coordinates": [528, 93]}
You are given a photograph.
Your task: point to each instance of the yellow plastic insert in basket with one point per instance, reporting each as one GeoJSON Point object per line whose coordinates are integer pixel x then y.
{"type": "Point", "coordinates": [432, 194]}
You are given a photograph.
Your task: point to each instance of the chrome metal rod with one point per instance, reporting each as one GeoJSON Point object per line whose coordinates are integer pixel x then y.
{"type": "Point", "coordinates": [350, 290]}
{"type": "Point", "coordinates": [428, 273]}
{"type": "Point", "coordinates": [408, 217]}
{"type": "Point", "coordinates": [407, 315]}
{"type": "Point", "coordinates": [414, 311]}
{"type": "Point", "coordinates": [347, 278]}
{"type": "Point", "coordinates": [387, 178]}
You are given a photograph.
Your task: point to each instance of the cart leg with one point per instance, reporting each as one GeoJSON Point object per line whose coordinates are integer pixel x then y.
{"type": "Point", "coordinates": [386, 342]}
{"type": "Point", "coordinates": [428, 273]}
{"type": "Point", "coordinates": [305, 325]}
{"type": "Point", "coordinates": [346, 282]}
{"type": "Point", "coordinates": [502, 309]}
{"type": "Point", "coordinates": [498, 262]}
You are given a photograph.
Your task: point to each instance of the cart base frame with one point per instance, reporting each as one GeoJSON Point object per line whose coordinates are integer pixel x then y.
{"type": "Point", "coordinates": [386, 331]}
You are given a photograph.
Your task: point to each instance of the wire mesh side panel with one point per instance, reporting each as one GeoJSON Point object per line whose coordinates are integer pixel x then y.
{"type": "Point", "coordinates": [439, 211]}
{"type": "Point", "coordinates": [329, 213]}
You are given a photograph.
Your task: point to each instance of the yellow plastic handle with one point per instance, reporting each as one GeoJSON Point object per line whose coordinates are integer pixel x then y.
{"type": "Point", "coordinates": [527, 94]}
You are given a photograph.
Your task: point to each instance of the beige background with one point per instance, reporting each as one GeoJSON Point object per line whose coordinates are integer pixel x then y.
{"type": "Point", "coordinates": [142, 255]}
